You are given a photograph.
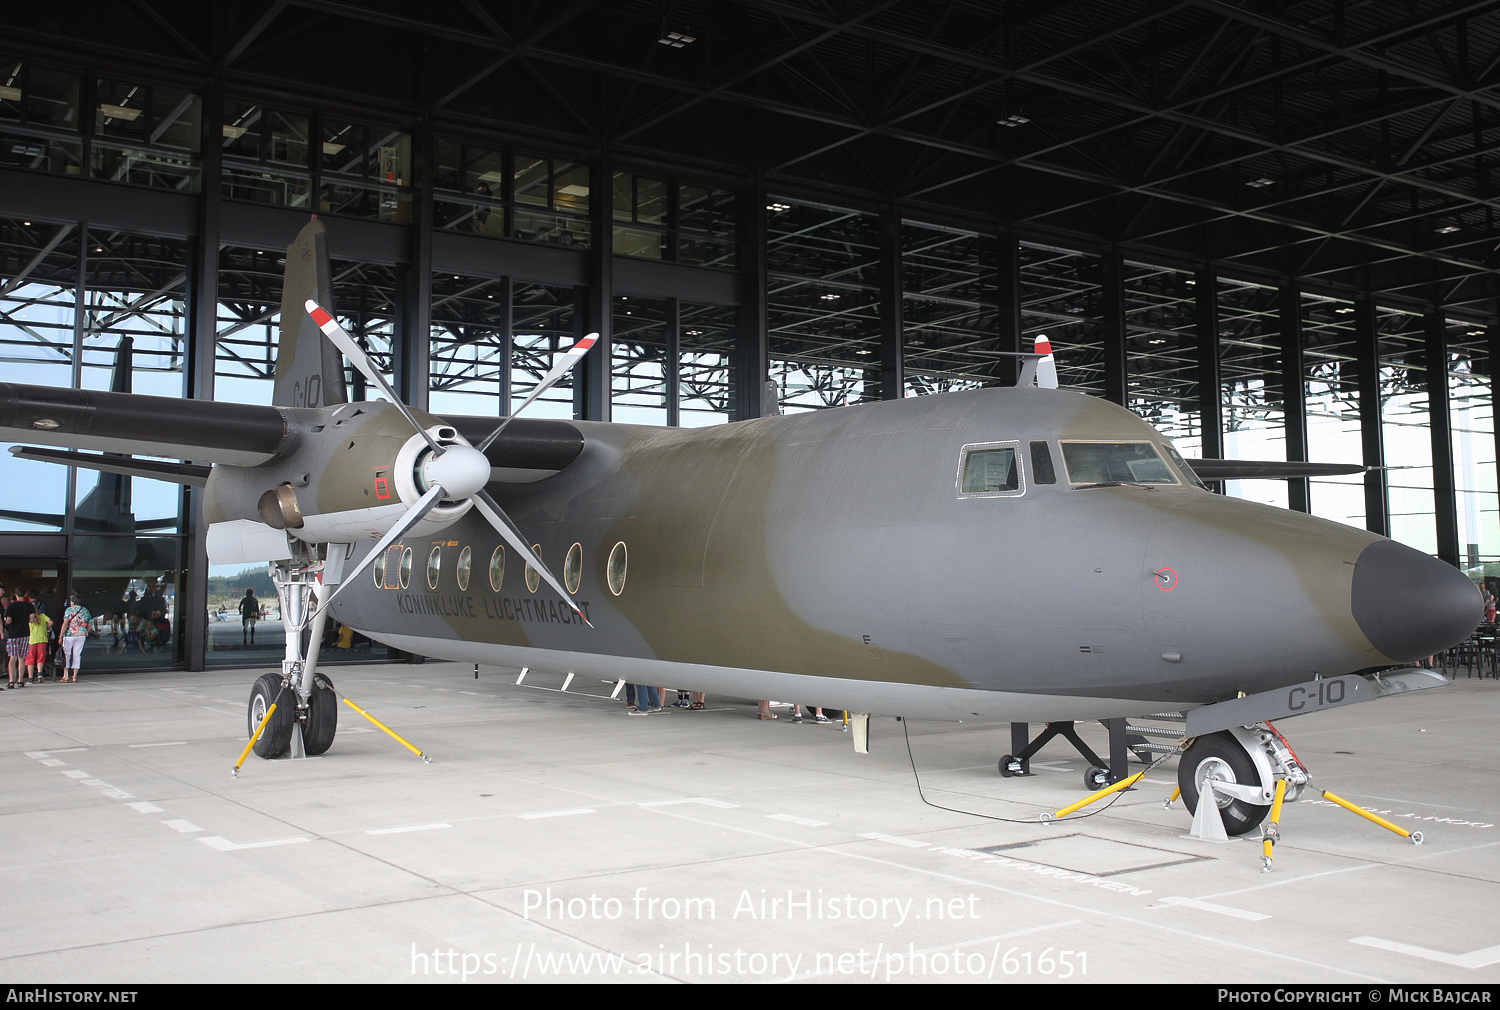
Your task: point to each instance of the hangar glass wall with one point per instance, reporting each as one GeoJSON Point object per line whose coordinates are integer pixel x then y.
{"type": "Point", "coordinates": [488, 189]}
{"type": "Point", "coordinates": [822, 305]}
{"type": "Point", "coordinates": [334, 165]}
{"type": "Point", "coordinates": [469, 346]}
{"type": "Point", "coordinates": [1331, 388]}
{"type": "Point", "coordinates": [706, 350]}
{"type": "Point", "coordinates": [249, 320]}
{"type": "Point", "coordinates": [948, 308]}
{"type": "Point", "coordinates": [39, 264]}
{"type": "Point", "coordinates": [1161, 353]}
{"type": "Point", "coordinates": [1254, 415]}
{"type": "Point", "coordinates": [124, 557]}
{"type": "Point", "coordinates": [1406, 430]}
{"type": "Point", "coordinates": [638, 366]}
{"type": "Point", "coordinates": [544, 324]}
{"type": "Point", "coordinates": [1471, 406]}
{"type": "Point", "coordinates": [1061, 297]}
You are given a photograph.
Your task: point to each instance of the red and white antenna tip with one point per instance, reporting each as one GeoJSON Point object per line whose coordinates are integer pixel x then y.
{"type": "Point", "coordinates": [1042, 346]}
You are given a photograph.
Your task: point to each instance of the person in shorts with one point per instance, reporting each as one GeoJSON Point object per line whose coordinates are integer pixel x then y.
{"type": "Point", "coordinates": [17, 637]}
{"type": "Point", "coordinates": [249, 614]}
{"type": "Point", "coordinates": [39, 629]}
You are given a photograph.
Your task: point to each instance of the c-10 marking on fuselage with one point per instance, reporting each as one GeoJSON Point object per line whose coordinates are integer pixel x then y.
{"type": "Point", "coordinates": [502, 608]}
{"type": "Point", "coordinates": [1298, 697]}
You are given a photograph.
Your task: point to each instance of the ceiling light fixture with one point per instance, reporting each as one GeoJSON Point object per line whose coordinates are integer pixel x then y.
{"type": "Point", "coordinates": [1013, 120]}
{"type": "Point", "coordinates": [778, 207]}
{"type": "Point", "coordinates": [1260, 183]}
{"type": "Point", "coordinates": [1345, 310]}
{"type": "Point", "coordinates": [676, 39]}
{"type": "Point", "coordinates": [830, 298]}
{"type": "Point", "coordinates": [1447, 229]}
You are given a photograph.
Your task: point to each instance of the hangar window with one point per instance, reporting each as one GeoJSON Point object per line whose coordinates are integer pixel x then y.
{"type": "Point", "coordinates": [990, 470]}
{"type": "Point", "coordinates": [1115, 463]}
{"type": "Point", "coordinates": [434, 567]}
{"type": "Point", "coordinates": [465, 563]}
{"type": "Point", "coordinates": [497, 568]}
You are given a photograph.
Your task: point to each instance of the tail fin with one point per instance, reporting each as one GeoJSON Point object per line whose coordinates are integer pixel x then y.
{"type": "Point", "coordinates": [309, 369]}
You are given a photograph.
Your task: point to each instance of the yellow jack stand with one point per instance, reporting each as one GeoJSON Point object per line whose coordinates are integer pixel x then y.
{"type": "Point", "coordinates": [234, 772]}
{"type": "Point", "coordinates": [386, 729]}
{"type": "Point", "coordinates": [1415, 837]}
{"type": "Point", "coordinates": [1107, 790]}
{"type": "Point", "coordinates": [1271, 833]}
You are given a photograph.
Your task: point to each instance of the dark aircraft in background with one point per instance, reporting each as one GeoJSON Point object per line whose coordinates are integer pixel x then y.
{"type": "Point", "coordinates": [1022, 554]}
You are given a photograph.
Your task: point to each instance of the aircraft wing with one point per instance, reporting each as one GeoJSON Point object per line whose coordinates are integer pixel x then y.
{"type": "Point", "coordinates": [1248, 469]}
{"type": "Point", "coordinates": [176, 473]}
{"type": "Point", "coordinates": [131, 423]}
{"type": "Point", "coordinates": [529, 449]}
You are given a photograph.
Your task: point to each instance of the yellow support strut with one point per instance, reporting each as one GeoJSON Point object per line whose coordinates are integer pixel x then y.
{"type": "Point", "coordinates": [1122, 784]}
{"type": "Point", "coordinates": [1414, 836]}
{"type": "Point", "coordinates": [1271, 834]}
{"type": "Point", "coordinates": [396, 736]}
{"type": "Point", "coordinates": [234, 772]}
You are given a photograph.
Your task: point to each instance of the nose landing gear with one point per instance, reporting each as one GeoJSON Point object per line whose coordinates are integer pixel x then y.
{"type": "Point", "coordinates": [306, 716]}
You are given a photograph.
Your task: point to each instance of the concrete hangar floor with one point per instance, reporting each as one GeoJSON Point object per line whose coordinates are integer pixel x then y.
{"type": "Point", "coordinates": [551, 833]}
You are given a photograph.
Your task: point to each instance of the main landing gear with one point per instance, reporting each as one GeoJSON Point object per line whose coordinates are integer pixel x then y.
{"type": "Point", "coordinates": [1241, 767]}
{"type": "Point", "coordinates": [306, 715]}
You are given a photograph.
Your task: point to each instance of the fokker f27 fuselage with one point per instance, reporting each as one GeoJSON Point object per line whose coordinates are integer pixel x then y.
{"type": "Point", "coordinates": [836, 559]}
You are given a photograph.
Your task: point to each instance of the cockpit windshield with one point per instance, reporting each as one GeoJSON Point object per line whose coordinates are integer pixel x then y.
{"type": "Point", "coordinates": [1115, 463]}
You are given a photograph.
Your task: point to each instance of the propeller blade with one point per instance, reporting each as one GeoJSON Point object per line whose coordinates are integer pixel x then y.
{"type": "Point", "coordinates": [507, 529]}
{"type": "Point", "coordinates": [413, 515]}
{"type": "Point", "coordinates": [361, 361]}
{"type": "Point", "coordinates": [564, 365]}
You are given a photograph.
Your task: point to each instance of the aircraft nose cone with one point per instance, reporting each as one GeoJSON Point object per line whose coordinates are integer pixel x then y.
{"type": "Point", "coordinates": [1411, 605]}
{"type": "Point", "coordinates": [461, 470]}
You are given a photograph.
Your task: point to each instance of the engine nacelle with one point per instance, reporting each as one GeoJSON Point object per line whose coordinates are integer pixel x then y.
{"type": "Point", "coordinates": [357, 469]}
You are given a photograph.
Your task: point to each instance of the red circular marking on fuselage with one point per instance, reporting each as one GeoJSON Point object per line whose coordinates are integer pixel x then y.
{"type": "Point", "coordinates": [1169, 579]}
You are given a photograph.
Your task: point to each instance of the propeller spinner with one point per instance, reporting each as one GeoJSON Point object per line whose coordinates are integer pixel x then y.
{"type": "Point", "coordinates": [456, 471]}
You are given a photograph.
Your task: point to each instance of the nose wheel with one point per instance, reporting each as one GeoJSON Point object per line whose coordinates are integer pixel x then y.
{"type": "Point", "coordinates": [1219, 757]}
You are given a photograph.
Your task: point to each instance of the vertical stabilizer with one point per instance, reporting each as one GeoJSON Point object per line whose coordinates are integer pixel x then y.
{"type": "Point", "coordinates": [309, 369]}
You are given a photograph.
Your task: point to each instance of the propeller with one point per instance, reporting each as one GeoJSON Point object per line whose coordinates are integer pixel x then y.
{"type": "Point", "coordinates": [454, 472]}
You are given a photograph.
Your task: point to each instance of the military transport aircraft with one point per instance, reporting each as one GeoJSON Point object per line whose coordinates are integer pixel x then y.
{"type": "Point", "coordinates": [1025, 554]}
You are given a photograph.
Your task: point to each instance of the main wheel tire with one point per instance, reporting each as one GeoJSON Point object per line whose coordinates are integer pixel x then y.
{"type": "Point", "coordinates": [1220, 755]}
{"type": "Point", "coordinates": [277, 736]}
{"type": "Point", "coordinates": [322, 716]}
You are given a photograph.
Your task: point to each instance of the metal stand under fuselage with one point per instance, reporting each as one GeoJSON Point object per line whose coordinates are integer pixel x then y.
{"type": "Point", "coordinates": [301, 582]}
{"type": "Point", "coordinates": [1023, 751]}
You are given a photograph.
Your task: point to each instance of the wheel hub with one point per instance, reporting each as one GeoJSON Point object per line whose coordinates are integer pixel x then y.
{"type": "Point", "coordinates": [1218, 770]}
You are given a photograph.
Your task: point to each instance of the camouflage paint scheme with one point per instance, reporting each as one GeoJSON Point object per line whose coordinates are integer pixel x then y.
{"type": "Point", "coordinates": [827, 558]}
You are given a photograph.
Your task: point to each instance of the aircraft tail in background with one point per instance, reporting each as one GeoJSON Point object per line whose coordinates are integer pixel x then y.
{"type": "Point", "coordinates": [309, 369]}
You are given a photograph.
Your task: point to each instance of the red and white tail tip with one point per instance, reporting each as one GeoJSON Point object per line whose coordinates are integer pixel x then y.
{"type": "Point", "coordinates": [1042, 346]}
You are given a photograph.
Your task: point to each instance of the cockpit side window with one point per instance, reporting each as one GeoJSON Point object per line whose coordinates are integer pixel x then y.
{"type": "Point", "coordinates": [991, 470]}
{"type": "Point", "coordinates": [1183, 468]}
{"type": "Point", "coordinates": [1115, 462]}
{"type": "Point", "coordinates": [1041, 464]}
